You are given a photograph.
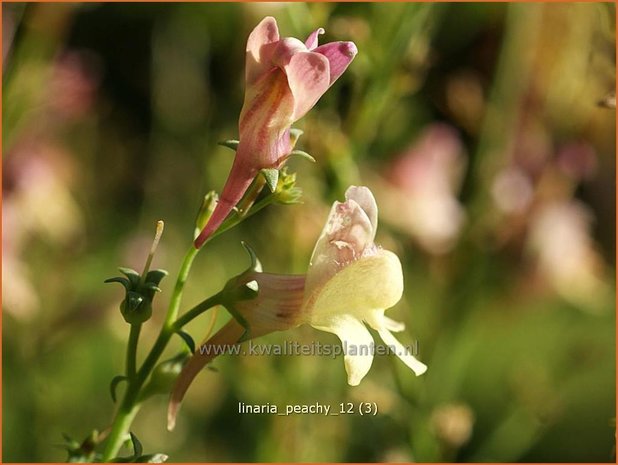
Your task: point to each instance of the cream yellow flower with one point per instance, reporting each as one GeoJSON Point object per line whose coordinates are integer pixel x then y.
{"type": "Point", "coordinates": [350, 283]}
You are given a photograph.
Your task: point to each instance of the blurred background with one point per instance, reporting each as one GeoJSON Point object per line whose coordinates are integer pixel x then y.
{"type": "Point", "coordinates": [478, 127]}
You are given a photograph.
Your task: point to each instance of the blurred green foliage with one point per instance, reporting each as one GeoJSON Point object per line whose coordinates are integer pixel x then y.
{"type": "Point", "coordinates": [476, 126]}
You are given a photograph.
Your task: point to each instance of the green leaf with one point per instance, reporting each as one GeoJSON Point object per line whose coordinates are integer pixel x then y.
{"type": "Point", "coordinates": [230, 144]}
{"type": "Point", "coordinates": [152, 287]}
{"type": "Point", "coordinates": [188, 340]}
{"type": "Point", "coordinates": [271, 175]}
{"type": "Point", "coordinates": [302, 154]}
{"type": "Point", "coordinates": [137, 446]}
{"type": "Point", "coordinates": [256, 265]}
{"type": "Point", "coordinates": [130, 273]}
{"type": "Point", "coordinates": [119, 279]}
{"type": "Point", "coordinates": [114, 384]}
{"type": "Point", "coordinates": [155, 276]}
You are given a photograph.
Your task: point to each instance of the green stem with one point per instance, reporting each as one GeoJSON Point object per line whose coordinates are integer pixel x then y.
{"type": "Point", "coordinates": [120, 428]}
{"type": "Point", "coordinates": [132, 350]}
{"type": "Point", "coordinates": [237, 219]}
{"type": "Point", "coordinates": [198, 310]}
{"type": "Point", "coordinates": [183, 274]}
{"type": "Point", "coordinates": [130, 403]}
{"type": "Point", "coordinates": [130, 406]}
{"type": "Point", "coordinates": [252, 193]}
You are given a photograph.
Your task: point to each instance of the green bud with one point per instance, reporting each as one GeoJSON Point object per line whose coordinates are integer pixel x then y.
{"type": "Point", "coordinates": [208, 206]}
{"type": "Point", "coordinates": [286, 192]}
{"type": "Point", "coordinates": [137, 304]}
{"type": "Point", "coordinates": [84, 451]}
{"type": "Point", "coordinates": [164, 375]}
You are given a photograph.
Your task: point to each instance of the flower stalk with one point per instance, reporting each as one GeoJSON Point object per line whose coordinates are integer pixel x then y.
{"type": "Point", "coordinates": [284, 79]}
{"type": "Point", "coordinates": [132, 350]}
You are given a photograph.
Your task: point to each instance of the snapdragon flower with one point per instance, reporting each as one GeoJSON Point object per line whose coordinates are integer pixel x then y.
{"type": "Point", "coordinates": [350, 283]}
{"type": "Point", "coordinates": [284, 79]}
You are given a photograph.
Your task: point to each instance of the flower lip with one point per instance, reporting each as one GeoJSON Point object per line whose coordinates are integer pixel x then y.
{"type": "Point", "coordinates": [339, 55]}
{"type": "Point", "coordinates": [312, 40]}
{"type": "Point", "coordinates": [348, 48]}
{"type": "Point", "coordinates": [260, 45]}
{"type": "Point", "coordinates": [351, 281]}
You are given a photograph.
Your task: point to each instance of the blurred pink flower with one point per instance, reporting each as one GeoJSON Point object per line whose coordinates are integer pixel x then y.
{"type": "Point", "coordinates": [73, 84]}
{"type": "Point", "coordinates": [512, 190]}
{"type": "Point", "coordinates": [37, 202]}
{"type": "Point", "coordinates": [420, 196]}
{"type": "Point", "coordinates": [559, 237]}
{"type": "Point", "coordinates": [284, 79]}
{"type": "Point", "coordinates": [577, 160]}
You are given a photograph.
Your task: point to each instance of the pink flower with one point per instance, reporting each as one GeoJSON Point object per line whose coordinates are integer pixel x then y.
{"type": "Point", "coordinates": [420, 195]}
{"type": "Point", "coordinates": [284, 80]}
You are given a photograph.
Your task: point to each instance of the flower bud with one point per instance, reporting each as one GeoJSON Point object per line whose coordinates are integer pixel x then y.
{"type": "Point", "coordinates": [208, 206]}
{"type": "Point", "coordinates": [164, 375]}
{"type": "Point", "coordinates": [137, 304]}
{"type": "Point", "coordinates": [286, 192]}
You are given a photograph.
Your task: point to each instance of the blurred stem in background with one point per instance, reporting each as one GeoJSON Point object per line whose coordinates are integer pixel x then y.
{"type": "Point", "coordinates": [409, 27]}
{"type": "Point", "coordinates": [502, 118]}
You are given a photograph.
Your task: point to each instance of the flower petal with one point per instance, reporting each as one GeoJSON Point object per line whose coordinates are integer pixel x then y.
{"type": "Point", "coordinates": [357, 343]}
{"type": "Point", "coordinates": [364, 198]}
{"type": "Point", "coordinates": [417, 367]}
{"type": "Point", "coordinates": [347, 235]}
{"type": "Point", "coordinates": [284, 51]}
{"type": "Point", "coordinates": [277, 306]}
{"type": "Point", "coordinates": [265, 116]}
{"type": "Point", "coordinates": [312, 40]}
{"type": "Point", "coordinates": [360, 289]}
{"type": "Point", "coordinates": [339, 55]}
{"type": "Point", "coordinates": [308, 77]}
{"type": "Point", "coordinates": [392, 325]}
{"type": "Point", "coordinates": [259, 49]}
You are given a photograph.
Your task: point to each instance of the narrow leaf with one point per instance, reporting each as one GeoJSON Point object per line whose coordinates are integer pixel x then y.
{"type": "Point", "coordinates": [271, 175]}
{"type": "Point", "coordinates": [230, 144]}
{"type": "Point", "coordinates": [188, 340]}
{"type": "Point", "coordinates": [137, 446]}
{"type": "Point", "coordinates": [114, 384]}
{"type": "Point", "coordinates": [118, 279]}
{"type": "Point", "coordinates": [302, 154]}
